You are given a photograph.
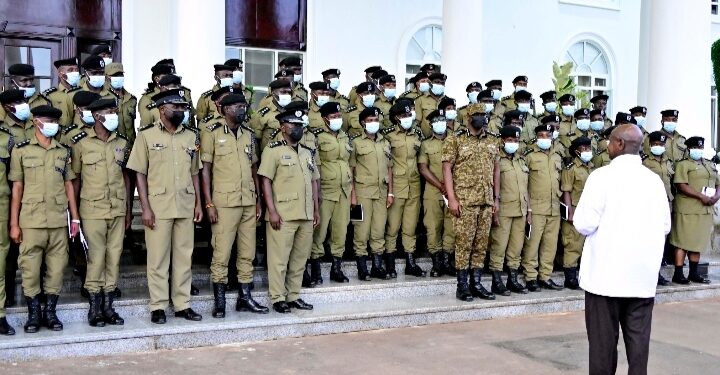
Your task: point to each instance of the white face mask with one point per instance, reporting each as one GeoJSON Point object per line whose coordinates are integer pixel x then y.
{"type": "Point", "coordinates": [583, 124]}
{"type": "Point", "coordinates": [22, 111]}
{"type": "Point", "coordinates": [641, 121]}
{"type": "Point", "coordinates": [186, 117]}
{"type": "Point", "coordinates": [551, 107]}
{"type": "Point", "coordinates": [372, 127]}
{"type": "Point", "coordinates": [439, 127]}
{"type": "Point", "coordinates": [368, 100]}
{"type": "Point", "coordinates": [297, 77]}
{"type": "Point", "coordinates": [225, 82]}
{"type": "Point", "coordinates": [544, 143]}
{"type": "Point", "coordinates": [117, 82]}
{"type": "Point", "coordinates": [472, 96]}
{"type": "Point", "coordinates": [568, 110]}
{"type": "Point", "coordinates": [335, 124]}
{"type": "Point", "coordinates": [49, 129]}
{"type": "Point", "coordinates": [669, 126]}
{"type": "Point", "coordinates": [523, 107]}
{"type": "Point", "coordinates": [424, 87]}
{"type": "Point", "coordinates": [73, 78]}
{"type": "Point", "coordinates": [406, 122]}
{"type": "Point", "coordinates": [496, 94]}
{"type": "Point", "coordinates": [238, 77]}
{"type": "Point", "coordinates": [322, 99]}
{"type": "Point", "coordinates": [657, 150]}
{"type": "Point", "coordinates": [87, 117]}
{"type": "Point", "coordinates": [451, 114]}
{"type": "Point", "coordinates": [586, 156]}
{"type": "Point", "coordinates": [597, 125]}
{"type": "Point", "coordinates": [489, 107]}
{"type": "Point", "coordinates": [389, 93]}
{"type": "Point", "coordinates": [283, 99]}
{"type": "Point", "coordinates": [107, 60]}
{"type": "Point", "coordinates": [96, 81]}
{"type": "Point", "coordinates": [334, 83]}
{"type": "Point", "coordinates": [438, 89]}
{"type": "Point", "coordinates": [111, 122]}
{"type": "Point", "coordinates": [520, 88]}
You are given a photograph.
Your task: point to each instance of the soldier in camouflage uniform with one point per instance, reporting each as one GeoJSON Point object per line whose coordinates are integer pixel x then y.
{"type": "Point", "coordinates": [675, 145]}
{"type": "Point", "coordinates": [429, 101]}
{"type": "Point", "coordinates": [470, 169]}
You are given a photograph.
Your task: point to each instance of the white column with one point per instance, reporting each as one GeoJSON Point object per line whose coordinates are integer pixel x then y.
{"type": "Point", "coordinates": [458, 56]}
{"type": "Point", "coordinates": [679, 64]}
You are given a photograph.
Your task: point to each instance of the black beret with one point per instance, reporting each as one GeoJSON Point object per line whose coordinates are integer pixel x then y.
{"type": "Point", "coordinates": [93, 62]}
{"type": "Point", "coordinates": [606, 132]}
{"type": "Point", "coordinates": [319, 86]}
{"type": "Point", "coordinates": [367, 112]}
{"type": "Point", "coordinates": [695, 142]}
{"type": "Point", "coordinates": [235, 63]}
{"type": "Point", "coordinates": [543, 128]}
{"type": "Point", "coordinates": [161, 69]}
{"type": "Point", "coordinates": [438, 75]}
{"type": "Point", "coordinates": [624, 118]}
{"type": "Point", "coordinates": [103, 48]}
{"type": "Point", "coordinates": [84, 98]}
{"type": "Point", "coordinates": [293, 117]}
{"type": "Point", "coordinates": [548, 96]}
{"type": "Point", "coordinates": [485, 94]}
{"type": "Point", "coordinates": [638, 109]}
{"type": "Point", "coordinates": [331, 71]}
{"type": "Point", "coordinates": [279, 84]}
{"type": "Point", "coordinates": [378, 73]}
{"type": "Point", "coordinates": [514, 114]}
{"type": "Point", "coordinates": [435, 114]}
{"type": "Point", "coordinates": [101, 104]}
{"type": "Point", "coordinates": [173, 96]}
{"type": "Point", "coordinates": [582, 112]}
{"type": "Point", "coordinates": [365, 87]}
{"type": "Point", "coordinates": [388, 78]}
{"type": "Point", "coordinates": [473, 85]}
{"type": "Point", "coordinates": [567, 98]}
{"type": "Point", "coordinates": [220, 92]}
{"type": "Point", "coordinates": [284, 73]}
{"type": "Point", "coordinates": [166, 62]}
{"type": "Point", "coordinates": [520, 78]}
{"type": "Point", "coordinates": [550, 118]}
{"type": "Point", "coordinates": [21, 70]}
{"type": "Point", "coordinates": [330, 108]}
{"type": "Point", "coordinates": [509, 132]}
{"type": "Point", "coordinates": [291, 61]}
{"type": "Point", "coordinates": [12, 96]}
{"type": "Point", "coordinates": [427, 67]}
{"type": "Point", "coordinates": [445, 102]}
{"type": "Point", "coordinates": [420, 76]}
{"type": "Point", "coordinates": [46, 111]}
{"type": "Point", "coordinates": [372, 69]}
{"type": "Point", "coordinates": [169, 79]}
{"type": "Point", "coordinates": [595, 112]}
{"type": "Point", "coordinates": [66, 62]}
{"type": "Point", "coordinates": [297, 105]}
{"type": "Point", "coordinates": [523, 95]}
{"type": "Point", "coordinates": [399, 108]}
{"type": "Point", "coordinates": [493, 82]}
{"type": "Point", "coordinates": [580, 141]}
{"type": "Point", "coordinates": [219, 67]}
{"type": "Point", "coordinates": [599, 97]}
{"type": "Point", "coordinates": [233, 99]}
{"type": "Point", "coordinates": [670, 112]}
{"type": "Point", "coordinates": [406, 101]}
{"type": "Point", "coordinates": [657, 136]}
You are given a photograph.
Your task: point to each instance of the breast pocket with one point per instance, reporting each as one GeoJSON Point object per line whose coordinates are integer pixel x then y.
{"type": "Point", "coordinates": [222, 150]}
{"type": "Point", "coordinates": [329, 150]}
{"type": "Point", "coordinates": [90, 161]}
{"type": "Point", "coordinates": [34, 170]}
{"type": "Point", "coordinates": [157, 153]}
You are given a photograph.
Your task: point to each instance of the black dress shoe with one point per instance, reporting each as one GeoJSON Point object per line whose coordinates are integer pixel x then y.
{"type": "Point", "coordinates": [300, 305]}
{"type": "Point", "coordinates": [281, 307]}
{"type": "Point", "coordinates": [188, 314]}
{"type": "Point", "coordinates": [662, 281]}
{"type": "Point", "coordinates": [680, 279]}
{"type": "Point", "coordinates": [533, 286]}
{"type": "Point", "coordinates": [5, 328]}
{"type": "Point", "coordinates": [194, 291]}
{"type": "Point", "coordinates": [158, 317]}
{"type": "Point", "coordinates": [698, 279]}
{"type": "Point", "coordinates": [549, 285]}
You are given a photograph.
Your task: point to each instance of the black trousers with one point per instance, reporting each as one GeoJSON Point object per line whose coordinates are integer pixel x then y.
{"type": "Point", "coordinates": [602, 317]}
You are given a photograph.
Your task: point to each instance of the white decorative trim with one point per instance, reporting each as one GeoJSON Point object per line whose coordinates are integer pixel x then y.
{"type": "Point", "coordinates": [602, 4]}
{"type": "Point", "coordinates": [405, 39]}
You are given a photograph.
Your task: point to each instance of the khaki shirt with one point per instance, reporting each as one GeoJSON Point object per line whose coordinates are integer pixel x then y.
{"type": "Point", "coordinates": [384, 104]}
{"type": "Point", "coordinates": [569, 132]}
{"type": "Point", "coordinates": [127, 112]}
{"type": "Point", "coordinates": [38, 99]}
{"type": "Point", "coordinates": [340, 98]}
{"type": "Point", "coordinates": [292, 174]}
{"type": "Point", "coordinates": [410, 94]}
{"type": "Point", "coordinates": [698, 176]}
{"type": "Point", "coordinates": [314, 116]}
{"type": "Point", "coordinates": [43, 173]}
{"type": "Point", "coordinates": [6, 146]}
{"type": "Point", "coordinates": [351, 118]}
{"type": "Point", "coordinates": [431, 154]}
{"type": "Point", "coordinates": [513, 185]}
{"type": "Point", "coordinates": [544, 180]}
{"type": "Point", "coordinates": [423, 106]}
{"type": "Point", "coordinates": [68, 132]}
{"type": "Point", "coordinates": [265, 125]}
{"type": "Point", "coordinates": [370, 159]}
{"type": "Point", "coordinates": [504, 105]}
{"type": "Point", "coordinates": [674, 146]}
{"type": "Point", "coordinates": [149, 114]}
{"type": "Point", "coordinates": [62, 99]}
{"type": "Point", "coordinates": [404, 147]}
{"type": "Point", "coordinates": [99, 165]}
{"type": "Point", "coordinates": [232, 157]}
{"type": "Point", "coordinates": [663, 167]}
{"type": "Point", "coordinates": [602, 159]}
{"type": "Point", "coordinates": [20, 131]}
{"type": "Point", "coordinates": [169, 161]}
{"type": "Point", "coordinates": [573, 177]}
{"type": "Point", "coordinates": [334, 155]}
{"type": "Point", "coordinates": [473, 161]}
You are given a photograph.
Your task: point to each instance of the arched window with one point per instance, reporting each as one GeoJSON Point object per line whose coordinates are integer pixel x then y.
{"type": "Point", "coordinates": [591, 69]}
{"type": "Point", "coordinates": [425, 47]}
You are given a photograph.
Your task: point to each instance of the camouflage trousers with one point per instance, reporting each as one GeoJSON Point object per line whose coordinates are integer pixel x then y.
{"type": "Point", "coordinates": [472, 233]}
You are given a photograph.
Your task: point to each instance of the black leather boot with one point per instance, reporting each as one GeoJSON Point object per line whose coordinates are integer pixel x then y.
{"type": "Point", "coordinates": [95, 318]}
{"type": "Point", "coordinates": [194, 291]}
{"type": "Point", "coordinates": [315, 272]}
{"type": "Point", "coordinates": [307, 280]}
{"type": "Point", "coordinates": [378, 271]}
{"type": "Point", "coordinates": [5, 328]}
{"type": "Point", "coordinates": [336, 273]}
{"type": "Point", "coordinates": [476, 287]}
{"type": "Point", "coordinates": [51, 319]}
{"type": "Point", "coordinates": [549, 284]}
{"type": "Point", "coordinates": [694, 276]}
{"type": "Point", "coordinates": [108, 311]}
{"type": "Point", "coordinates": [497, 285]}
{"type": "Point", "coordinates": [411, 268]}
{"type": "Point", "coordinates": [679, 277]}
{"type": "Point", "coordinates": [448, 264]}
{"type": "Point", "coordinates": [33, 323]}
{"type": "Point", "coordinates": [219, 298]}
{"type": "Point", "coordinates": [245, 302]}
{"type": "Point", "coordinates": [571, 280]}
{"type": "Point", "coordinates": [363, 274]}
{"type": "Point", "coordinates": [463, 290]}
{"type": "Point", "coordinates": [436, 270]}
{"type": "Point", "coordinates": [513, 284]}
{"type": "Point", "coordinates": [390, 265]}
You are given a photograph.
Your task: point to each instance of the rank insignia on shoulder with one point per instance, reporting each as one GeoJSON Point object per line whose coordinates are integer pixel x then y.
{"type": "Point", "coordinates": [405, 93]}
{"type": "Point", "coordinates": [387, 130]}
{"type": "Point", "coordinates": [344, 97]}
{"type": "Point", "coordinates": [643, 155]}
{"type": "Point", "coordinates": [50, 90]}
{"type": "Point", "coordinates": [121, 136]}
{"type": "Point", "coordinates": [352, 137]}
{"type": "Point", "coordinates": [4, 129]}
{"type": "Point", "coordinates": [274, 133]}
{"type": "Point", "coordinates": [316, 131]}
{"type": "Point", "coordinates": [263, 111]}
{"type": "Point", "coordinates": [351, 108]}
{"type": "Point", "coordinates": [207, 118]}
{"type": "Point", "coordinates": [146, 127]}
{"type": "Point", "coordinates": [77, 137]}
{"type": "Point", "coordinates": [151, 105]}
{"type": "Point", "coordinates": [23, 143]}
{"type": "Point", "coordinates": [214, 126]}
{"type": "Point", "coordinates": [528, 151]}
{"type": "Point", "coordinates": [274, 144]}
{"type": "Point", "coordinates": [207, 93]}
{"type": "Point", "coordinates": [74, 89]}
{"type": "Point", "coordinates": [506, 98]}
{"type": "Point", "coordinates": [69, 128]}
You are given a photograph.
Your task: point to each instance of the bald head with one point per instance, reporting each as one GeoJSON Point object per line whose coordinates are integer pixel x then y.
{"type": "Point", "coordinates": [626, 139]}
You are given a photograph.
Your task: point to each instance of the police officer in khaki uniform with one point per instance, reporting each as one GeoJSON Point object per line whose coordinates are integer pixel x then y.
{"type": "Point", "coordinates": [365, 97]}
{"type": "Point", "coordinates": [602, 156]}
{"type": "Point", "coordinates": [319, 95]}
{"type": "Point", "coordinates": [22, 77]}
{"type": "Point", "coordinates": [508, 232]}
{"type": "Point", "coordinates": [41, 195]}
{"type": "Point", "coordinates": [599, 103]}
{"type": "Point", "coordinates": [146, 107]}
{"type": "Point", "coordinates": [127, 102]}
{"type": "Point", "coordinates": [230, 185]}
{"type": "Point", "coordinates": [449, 106]}
{"type": "Point", "coordinates": [639, 113]}
{"type": "Point", "coordinates": [545, 164]}
{"type": "Point", "coordinates": [509, 103]}
{"type": "Point", "coordinates": [485, 97]}
{"type": "Point", "coordinates": [580, 127]}
{"type": "Point", "coordinates": [335, 186]}
{"type": "Point", "coordinates": [387, 87]}
{"type": "Point", "coordinates": [265, 125]}
{"type": "Point", "coordinates": [549, 103]}
{"type": "Point", "coordinates": [68, 74]}
{"type": "Point", "coordinates": [83, 118]}
{"type": "Point", "coordinates": [295, 64]}
{"type": "Point", "coordinates": [226, 75]}
{"type": "Point", "coordinates": [436, 217]}
{"type": "Point", "coordinates": [371, 163]}
{"type": "Point", "coordinates": [567, 109]}
{"type": "Point", "coordinates": [288, 172]}
{"type": "Point", "coordinates": [405, 141]}
{"type": "Point", "coordinates": [572, 181]}
{"type": "Point", "coordinates": [6, 145]}
{"type": "Point", "coordinates": [99, 155]}
{"type": "Point", "coordinates": [495, 88]}
{"type": "Point", "coordinates": [429, 101]}
{"type": "Point", "coordinates": [352, 95]}
{"type": "Point", "coordinates": [17, 118]}
{"type": "Point", "coordinates": [94, 67]}
{"type": "Point", "coordinates": [165, 157]}
{"type": "Point", "coordinates": [421, 83]}
{"type": "Point", "coordinates": [472, 91]}
{"type": "Point", "coordinates": [470, 169]}
{"type": "Point", "coordinates": [332, 78]}
{"type": "Point", "coordinates": [172, 82]}
{"type": "Point", "coordinates": [675, 145]}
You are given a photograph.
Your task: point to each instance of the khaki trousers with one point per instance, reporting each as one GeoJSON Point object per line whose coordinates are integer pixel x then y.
{"type": "Point", "coordinates": [4, 250]}
{"type": "Point", "coordinates": [372, 228]}
{"type": "Point", "coordinates": [50, 244]}
{"type": "Point", "coordinates": [439, 225]}
{"type": "Point", "coordinates": [172, 240]}
{"type": "Point", "coordinates": [506, 242]}
{"type": "Point", "coordinates": [287, 252]}
{"type": "Point", "coordinates": [336, 217]}
{"type": "Point", "coordinates": [543, 245]}
{"type": "Point", "coordinates": [105, 242]}
{"type": "Point", "coordinates": [403, 214]}
{"type": "Point", "coordinates": [234, 224]}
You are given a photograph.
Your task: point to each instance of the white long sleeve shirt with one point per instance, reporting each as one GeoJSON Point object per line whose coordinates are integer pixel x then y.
{"type": "Point", "coordinates": [623, 211]}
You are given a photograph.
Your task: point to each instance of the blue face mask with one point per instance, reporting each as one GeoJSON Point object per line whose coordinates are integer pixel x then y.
{"type": "Point", "coordinates": [583, 124]}
{"type": "Point", "coordinates": [597, 125]}
{"type": "Point", "coordinates": [641, 121]}
{"type": "Point", "coordinates": [87, 117]}
{"type": "Point", "coordinates": [73, 78]}
{"type": "Point", "coordinates": [696, 153]}
{"type": "Point", "coordinates": [368, 100]}
{"type": "Point", "coordinates": [551, 107]}
{"type": "Point", "coordinates": [511, 147]}
{"type": "Point", "coordinates": [424, 87]}
{"type": "Point", "coordinates": [96, 81]}
{"type": "Point", "coordinates": [438, 89]}
{"type": "Point", "coordinates": [22, 111]}
{"type": "Point", "coordinates": [472, 95]}
{"type": "Point", "coordinates": [669, 126]}
{"type": "Point", "coordinates": [586, 156]}
{"type": "Point", "coordinates": [28, 91]}
{"type": "Point", "coordinates": [544, 143]}
{"type": "Point", "coordinates": [657, 150]}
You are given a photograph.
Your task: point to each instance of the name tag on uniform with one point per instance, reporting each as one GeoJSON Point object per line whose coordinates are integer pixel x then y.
{"type": "Point", "coordinates": [286, 157]}
{"type": "Point", "coordinates": [157, 146]}
{"type": "Point", "coordinates": [222, 140]}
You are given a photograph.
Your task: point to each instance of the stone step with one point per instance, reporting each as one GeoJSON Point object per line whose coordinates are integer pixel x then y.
{"type": "Point", "coordinates": [140, 335]}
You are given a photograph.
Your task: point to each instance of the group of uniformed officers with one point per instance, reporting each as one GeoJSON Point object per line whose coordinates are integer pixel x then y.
{"type": "Point", "coordinates": [491, 179]}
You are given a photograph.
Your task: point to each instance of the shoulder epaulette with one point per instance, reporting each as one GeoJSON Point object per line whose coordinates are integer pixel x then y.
{"type": "Point", "coordinates": [406, 92]}
{"type": "Point", "coordinates": [4, 129]}
{"type": "Point", "coordinates": [301, 87]}
{"type": "Point", "coordinates": [214, 126]}
{"type": "Point", "coordinates": [387, 130]}
{"type": "Point", "coordinates": [312, 150]}
{"type": "Point", "coordinates": [344, 97]}
{"type": "Point", "coordinates": [149, 90]}
{"type": "Point", "coordinates": [146, 127]}
{"type": "Point", "coordinates": [496, 135]}
{"type": "Point", "coordinates": [643, 155]}
{"type": "Point", "coordinates": [66, 146]}
{"type": "Point", "coordinates": [419, 134]}
{"type": "Point", "coordinates": [274, 133]}
{"type": "Point", "coordinates": [463, 107]}
{"type": "Point", "coordinates": [207, 118]}
{"type": "Point", "coordinates": [352, 137]}
{"type": "Point", "coordinates": [247, 128]}
{"type": "Point", "coordinates": [274, 144]}
{"type": "Point", "coordinates": [206, 93]}
{"type": "Point", "coordinates": [460, 132]}
{"type": "Point", "coordinates": [527, 151]}
{"type": "Point", "coordinates": [23, 143]}
{"type": "Point", "coordinates": [191, 128]}
{"type": "Point", "coordinates": [533, 140]}
{"type": "Point", "coordinates": [69, 128]}
{"type": "Point", "coordinates": [50, 90]}
{"type": "Point", "coordinates": [569, 163]}
{"type": "Point", "coordinates": [74, 89]}
{"type": "Point", "coordinates": [77, 137]}
{"type": "Point", "coordinates": [263, 111]}
{"type": "Point", "coordinates": [121, 136]}
{"type": "Point", "coordinates": [151, 105]}
{"type": "Point", "coordinates": [351, 108]}
{"type": "Point", "coordinates": [505, 98]}
{"type": "Point", "coordinates": [316, 131]}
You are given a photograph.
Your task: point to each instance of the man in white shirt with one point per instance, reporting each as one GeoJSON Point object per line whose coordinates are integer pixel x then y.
{"type": "Point", "coordinates": [623, 212]}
